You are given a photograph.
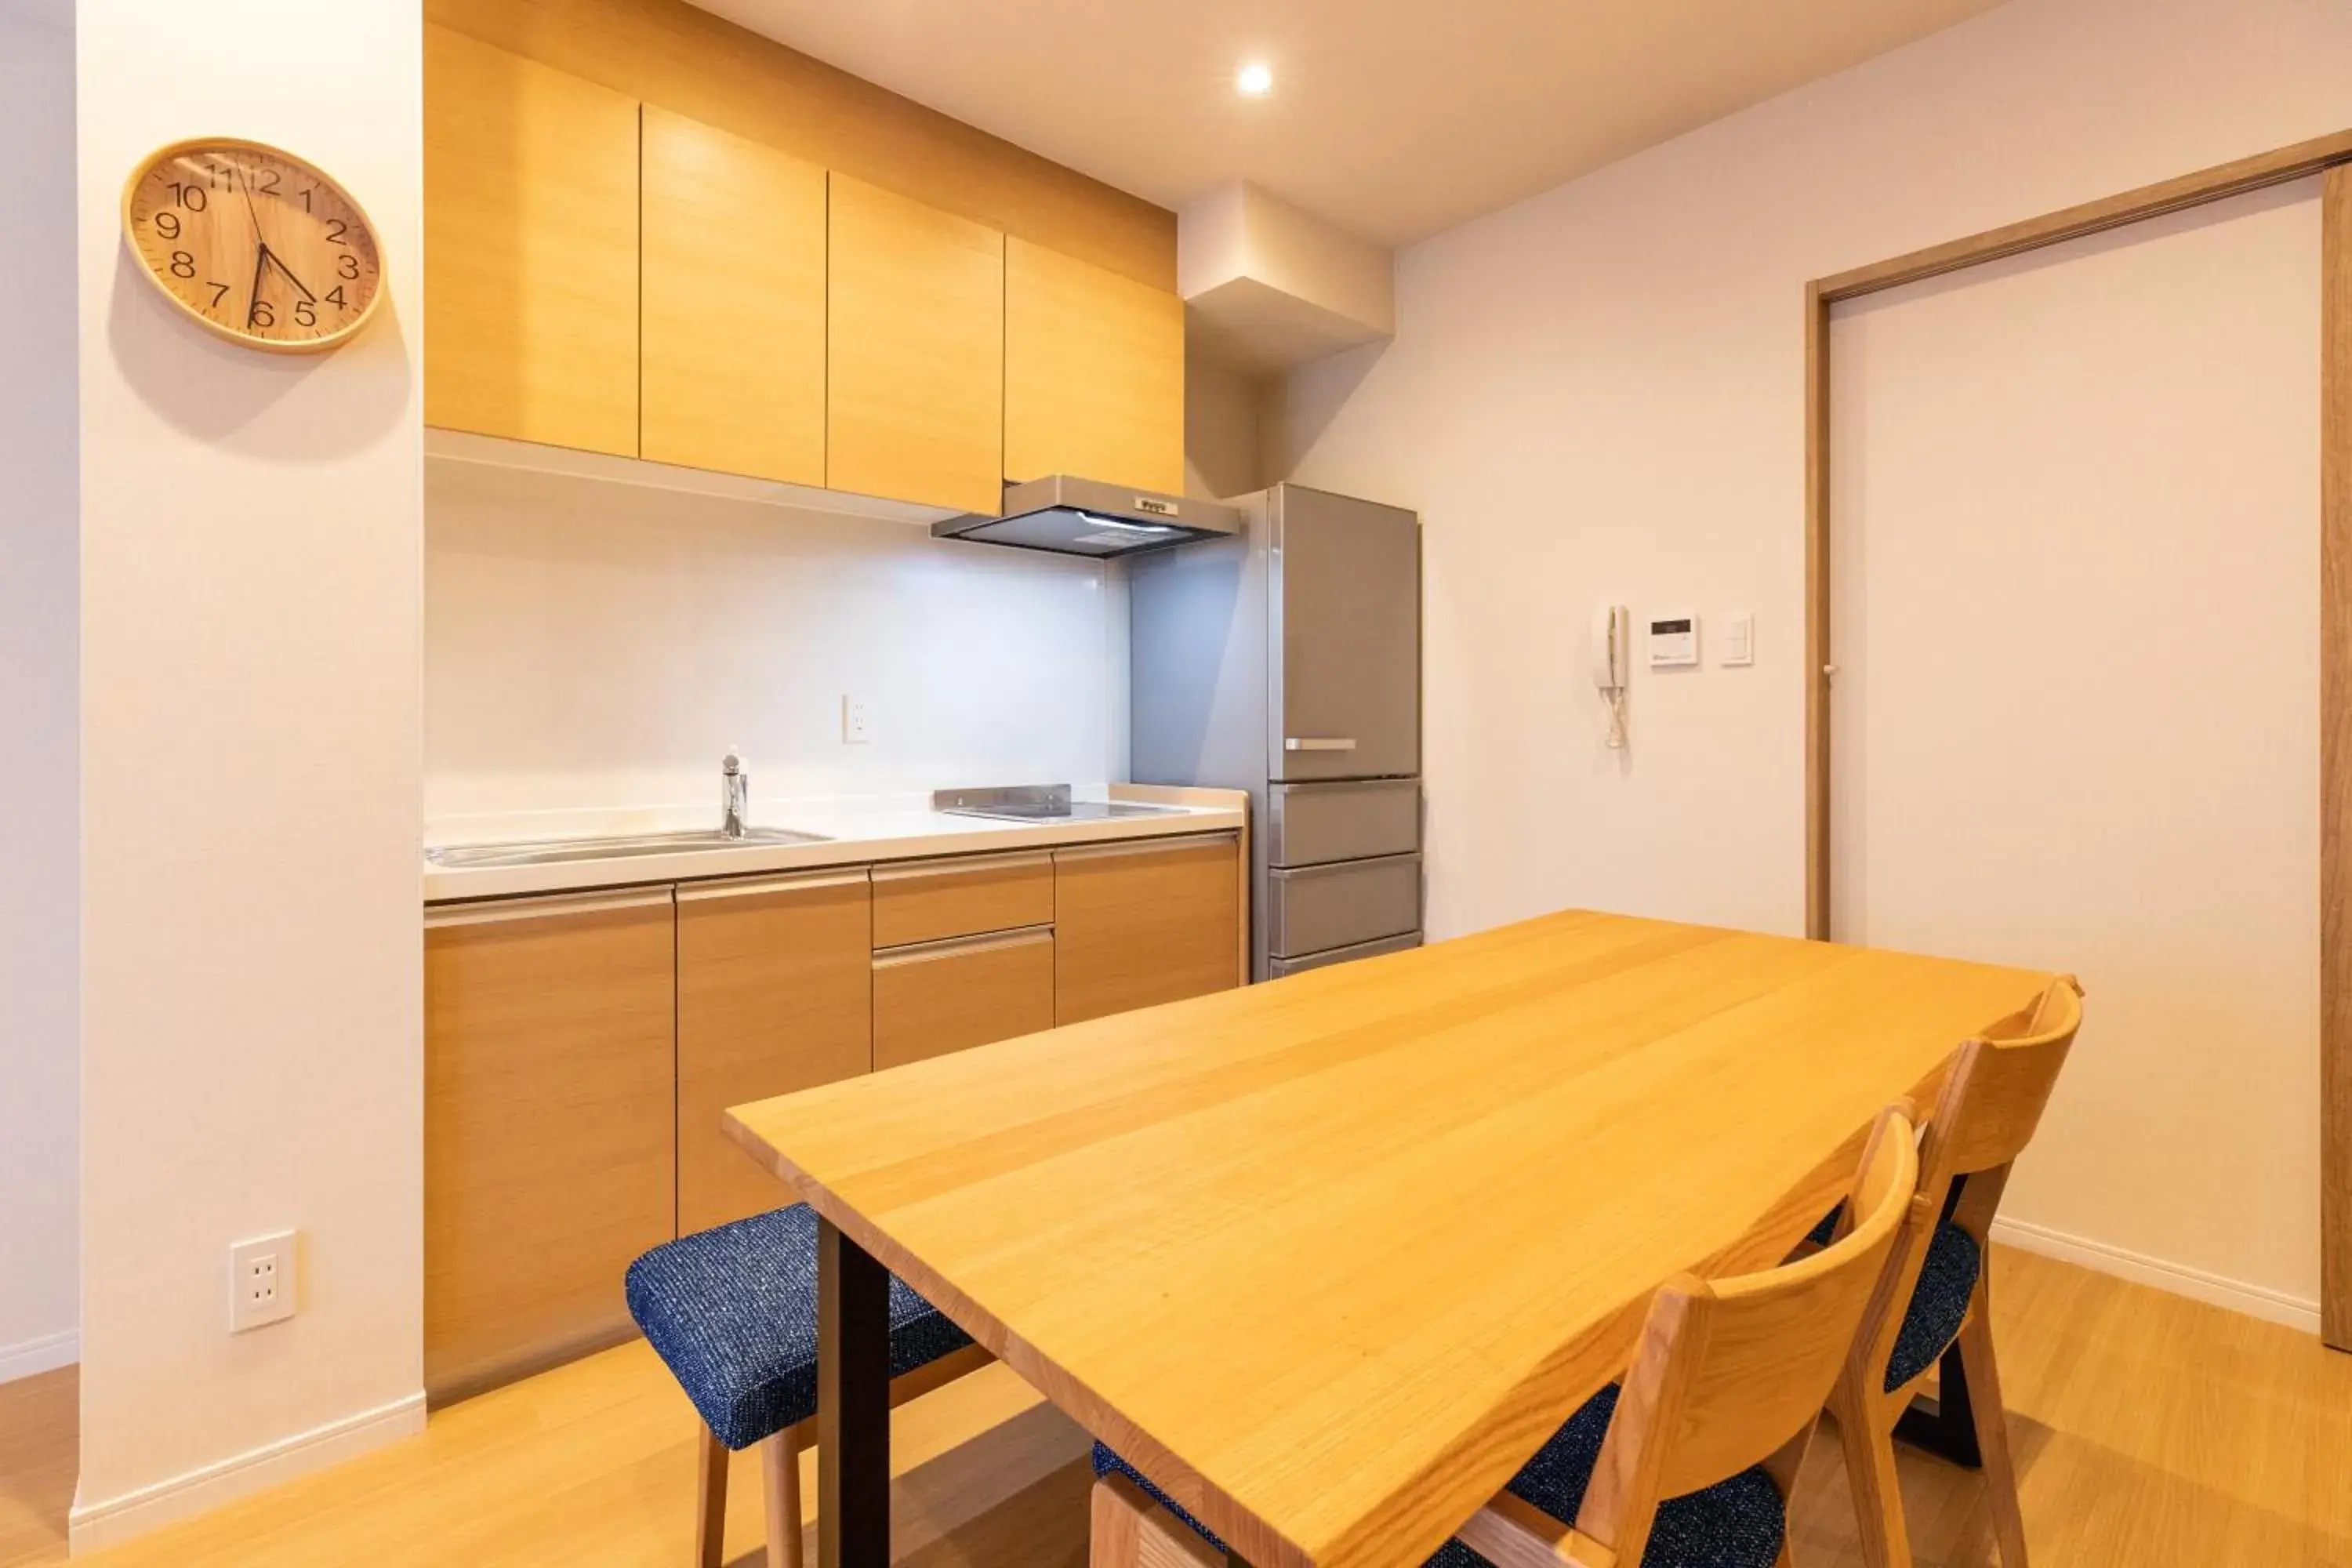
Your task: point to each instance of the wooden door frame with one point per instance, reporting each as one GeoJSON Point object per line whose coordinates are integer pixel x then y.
{"type": "Point", "coordinates": [2330, 156]}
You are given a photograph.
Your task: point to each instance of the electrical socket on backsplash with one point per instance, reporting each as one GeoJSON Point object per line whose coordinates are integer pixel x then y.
{"type": "Point", "coordinates": [856, 724]}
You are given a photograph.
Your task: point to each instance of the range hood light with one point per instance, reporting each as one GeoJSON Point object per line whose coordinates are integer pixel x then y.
{"type": "Point", "coordinates": [1099, 521]}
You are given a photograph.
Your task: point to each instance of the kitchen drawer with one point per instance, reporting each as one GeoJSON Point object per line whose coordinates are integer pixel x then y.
{"type": "Point", "coordinates": [1282, 967]}
{"type": "Point", "coordinates": [1312, 908]}
{"type": "Point", "coordinates": [930, 901]}
{"type": "Point", "coordinates": [1314, 824]}
{"type": "Point", "coordinates": [951, 995]}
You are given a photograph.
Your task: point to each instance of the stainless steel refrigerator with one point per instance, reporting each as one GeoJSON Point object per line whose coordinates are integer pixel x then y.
{"type": "Point", "coordinates": [1286, 661]}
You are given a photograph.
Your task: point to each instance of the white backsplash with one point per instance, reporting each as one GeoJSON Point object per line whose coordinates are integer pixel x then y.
{"type": "Point", "coordinates": [593, 649]}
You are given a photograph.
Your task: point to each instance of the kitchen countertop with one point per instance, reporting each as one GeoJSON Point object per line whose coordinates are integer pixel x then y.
{"type": "Point", "coordinates": [852, 838]}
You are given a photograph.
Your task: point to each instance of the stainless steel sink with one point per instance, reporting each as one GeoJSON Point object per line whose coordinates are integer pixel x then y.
{"type": "Point", "coordinates": [555, 851]}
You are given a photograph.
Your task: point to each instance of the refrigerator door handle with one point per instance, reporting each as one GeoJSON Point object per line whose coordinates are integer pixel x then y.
{"type": "Point", "coordinates": [1318, 743]}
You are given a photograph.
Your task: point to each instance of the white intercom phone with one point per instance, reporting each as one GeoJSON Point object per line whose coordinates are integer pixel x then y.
{"type": "Point", "coordinates": [1612, 628]}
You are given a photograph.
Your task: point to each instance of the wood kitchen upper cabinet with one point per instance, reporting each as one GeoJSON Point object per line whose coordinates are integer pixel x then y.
{"type": "Point", "coordinates": [773, 996]}
{"type": "Point", "coordinates": [531, 245]}
{"type": "Point", "coordinates": [1143, 922]}
{"type": "Point", "coordinates": [1093, 372]}
{"type": "Point", "coordinates": [734, 304]}
{"type": "Point", "coordinates": [548, 1127]}
{"type": "Point", "coordinates": [914, 362]}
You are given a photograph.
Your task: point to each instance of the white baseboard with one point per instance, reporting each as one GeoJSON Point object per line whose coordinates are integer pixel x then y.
{"type": "Point", "coordinates": [116, 1518]}
{"type": "Point", "coordinates": [46, 1353]}
{"type": "Point", "coordinates": [2255, 1300]}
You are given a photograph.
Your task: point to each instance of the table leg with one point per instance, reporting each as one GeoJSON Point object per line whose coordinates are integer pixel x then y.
{"type": "Point", "coordinates": [1949, 1430]}
{"type": "Point", "coordinates": [853, 1404]}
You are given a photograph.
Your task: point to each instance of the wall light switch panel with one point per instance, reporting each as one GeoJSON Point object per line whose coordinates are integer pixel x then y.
{"type": "Point", "coordinates": [856, 726]}
{"type": "Point", "coordinates": [260, 1281]}
{"type": "Point", "coordinates": [1739, 638]}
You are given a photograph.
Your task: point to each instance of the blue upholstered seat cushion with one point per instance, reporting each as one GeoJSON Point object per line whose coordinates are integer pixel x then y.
{"type": "Point", "coordinates": [1938, 1302]}
{"type": "Point", "coordinates": [1736, 1523]}
{"type": "Point", "coordinates": [732, 1313]}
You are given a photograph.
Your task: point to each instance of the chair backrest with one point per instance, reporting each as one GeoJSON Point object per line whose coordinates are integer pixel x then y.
{"type": "Point", "coordinates": [1730, 1373]}
{"type": "Point", "coordinates": [1993, 1099]}
{"type": "Point", "coordinates": [1992, 1102]}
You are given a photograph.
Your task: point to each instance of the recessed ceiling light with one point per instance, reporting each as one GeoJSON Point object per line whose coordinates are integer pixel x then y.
{"type": "Point", "coordinates": [1254, 80]}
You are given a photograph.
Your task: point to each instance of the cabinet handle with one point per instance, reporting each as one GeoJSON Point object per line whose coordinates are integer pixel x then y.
{"type": "Point", "coordinates": [1162, 843]}
{"type": "Point", "coordinates": [540, 906]}
{"type": "Point", "coordinates": [907, 871]}
{"type": "Point", "coordinates": [949, 947]}
{"type": "Point", "coordinates": [1319, 743]}
{"type": "Point", "coordinates": [750, 886]}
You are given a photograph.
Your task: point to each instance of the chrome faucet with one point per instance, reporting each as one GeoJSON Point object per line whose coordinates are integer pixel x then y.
{"type": "Point", "coordinates": [735, 792]}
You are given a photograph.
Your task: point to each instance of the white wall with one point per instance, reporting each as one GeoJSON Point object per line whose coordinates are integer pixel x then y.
{"type": "Point", "coordinates": [2076, 610]}
{"type": "Point", "coordinates": [1596, 395]}
{"type": "Point", "coordinates": [39, 1057]}
{"type": "Point", "coordinates": [251, 1014]}
{"type": "Point", "coordinates": [591, 646]}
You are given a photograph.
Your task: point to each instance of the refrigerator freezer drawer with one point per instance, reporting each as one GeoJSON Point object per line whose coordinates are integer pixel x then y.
{"type": "Point", "coordinates": [1314, 824]}
{"type": "Point", "coordinates": [1282, 967]}
{"type": "Point", "coordinates": [1315, 908]}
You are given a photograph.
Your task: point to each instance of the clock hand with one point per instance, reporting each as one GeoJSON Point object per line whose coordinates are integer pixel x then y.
{"type": "Point", "coordinates": [288, 273]}
{"type": "Point", "coordinates": [260, 259]}
{"type": "Point", "coordinates": [244, 183]}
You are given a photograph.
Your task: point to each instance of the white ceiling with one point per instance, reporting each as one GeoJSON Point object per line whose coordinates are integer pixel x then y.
{"type": "Point", "coordinates": [1390, 118]}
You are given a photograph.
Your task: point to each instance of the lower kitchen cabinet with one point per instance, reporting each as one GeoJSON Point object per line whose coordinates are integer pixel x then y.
{"type": "Point", "coordinates": [951, 995]}
{"type": "Point", "coordinates": [1136, 924]}
{"type": "Point", "coordinates": [773, 996]}
{"type": "Point", "coordinates": [548, 1130]}
{"type": "Point", "coordinates": [582, 1049]}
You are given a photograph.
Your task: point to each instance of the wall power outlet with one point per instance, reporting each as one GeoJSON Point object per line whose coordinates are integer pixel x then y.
{"type": "Point", "coordinates": [260, 1281]}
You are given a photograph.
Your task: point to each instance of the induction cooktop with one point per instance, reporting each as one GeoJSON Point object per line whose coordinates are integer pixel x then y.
{"type": "Point", "coordinates": [1038, 803]}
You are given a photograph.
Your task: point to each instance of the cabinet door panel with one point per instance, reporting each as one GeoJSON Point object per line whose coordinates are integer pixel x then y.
{"type": "Point", "coordinates": [1138, 924]}
{"type": "Point", "coordinates": [914, 362]}
{"type": "Point", "coordinates": [1093, 372]}
{"type": "Point", "coordinates": [531, 245]}
{"type": "Point", "coordinates": [773, 996]}
{"type": "Point", "coordinates": [548, 1129]}
{"type": "Point", "coordinates": [933, 1000]}
{"type": "Point", "coordinates": [734, 304]}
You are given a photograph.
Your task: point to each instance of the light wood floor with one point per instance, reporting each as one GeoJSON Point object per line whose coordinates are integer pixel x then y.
{"type": "Point", "coordinates": [37, 1465]}
{"type": "Point", "coordinates": [2151, 1432]}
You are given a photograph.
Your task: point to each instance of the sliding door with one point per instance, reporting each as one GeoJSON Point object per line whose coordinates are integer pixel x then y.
{"type": "Point", "coordinates": [2075, 608]}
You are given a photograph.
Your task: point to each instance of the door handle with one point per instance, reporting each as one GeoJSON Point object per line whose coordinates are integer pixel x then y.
{"type": "Point", "coordinates": [1318, 743]}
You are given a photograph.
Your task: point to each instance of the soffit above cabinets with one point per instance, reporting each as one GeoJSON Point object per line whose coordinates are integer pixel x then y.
{"type": "Point", "coordinates": [1268, 287]}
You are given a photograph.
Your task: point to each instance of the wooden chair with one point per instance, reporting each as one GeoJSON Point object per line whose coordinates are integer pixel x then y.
{"type": "Point", "coordinates": [732, 1313]}
{"type": "Point", "coordinates": [1936, 1293]}
{"type": "Point", "coordinates": [1691, 1459]}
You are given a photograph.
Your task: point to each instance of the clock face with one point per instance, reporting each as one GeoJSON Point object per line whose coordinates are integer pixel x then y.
{"type": "Point", "coordinates": [258, 246]}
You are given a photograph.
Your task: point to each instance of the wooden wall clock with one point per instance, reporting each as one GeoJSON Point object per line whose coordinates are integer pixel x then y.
{"type": "Point", "coordinates": [260, 246]}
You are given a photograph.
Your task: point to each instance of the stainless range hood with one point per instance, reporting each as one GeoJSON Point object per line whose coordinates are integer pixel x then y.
{"type": "Point", "coordinates": [1087, 517]}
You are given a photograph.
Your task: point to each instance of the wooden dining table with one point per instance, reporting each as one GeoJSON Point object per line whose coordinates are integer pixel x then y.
{"type": "Point", "coordinates": [1327, 1260]}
